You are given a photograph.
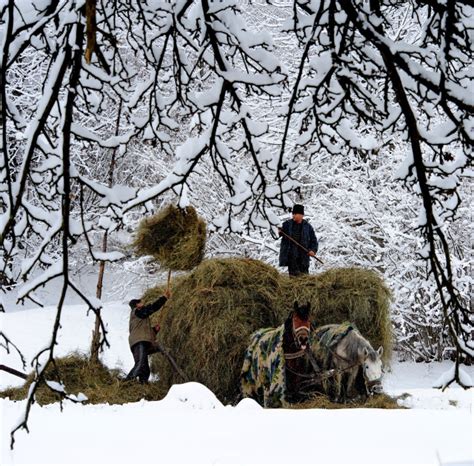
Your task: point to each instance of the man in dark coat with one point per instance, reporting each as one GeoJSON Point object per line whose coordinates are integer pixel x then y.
{"type": "Point", "coordinates": [291, 255]}
{"type": "Point", "coordinates": [142, 335]}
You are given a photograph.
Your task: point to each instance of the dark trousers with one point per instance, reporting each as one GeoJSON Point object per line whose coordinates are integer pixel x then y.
{"type": "Point", "coordinates": [296, 267]}
{"type": "Point", "coordinates": [141, 369]}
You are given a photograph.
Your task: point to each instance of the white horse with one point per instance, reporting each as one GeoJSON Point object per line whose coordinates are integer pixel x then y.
{"type": "Point", "coordinates": [344, 349]}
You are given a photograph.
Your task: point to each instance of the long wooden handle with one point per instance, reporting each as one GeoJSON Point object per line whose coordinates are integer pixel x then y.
{"type": "Point", "coordinates": [298, 244]}
{"type": "Point", "coordinates": [13, 371]}
{"type": "Point", "coordinates": [171, 361]}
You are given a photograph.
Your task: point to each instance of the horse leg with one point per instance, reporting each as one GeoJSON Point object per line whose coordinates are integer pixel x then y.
{"type": "Point", "coordinates": [292, 384]}
{"type": "Point", "coordinates": [289, 389]}
{"type": "Point", "coordinates": [342, 389]}
{"type": "Point", "coordinates": [350, 383]}
{"type": "Point", "coordinates": [336, 396]}
{"type": "Point", "coordinates": [359, 387]}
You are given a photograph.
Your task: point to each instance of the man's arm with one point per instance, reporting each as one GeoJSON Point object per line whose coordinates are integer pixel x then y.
{"type": "Point", "coordinates": [285, 228]}
{"type": "Point", "coordinates": [313, 241]}
{"type": "Point", "coordinates": [148, 310]}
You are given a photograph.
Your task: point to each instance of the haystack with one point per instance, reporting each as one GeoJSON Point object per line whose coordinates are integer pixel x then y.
{"type": "Point", "coordinates": [352, 294]}
{"type": "Point", "coordinates": [175, 237]}
{"type": "Point", "coordinates": [79, 375]}
{"type": "Point", "coordinates": [207, 323]}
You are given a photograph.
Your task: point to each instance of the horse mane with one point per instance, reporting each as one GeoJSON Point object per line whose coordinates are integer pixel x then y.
{"type": "Point", "coordinates": [302, 311]}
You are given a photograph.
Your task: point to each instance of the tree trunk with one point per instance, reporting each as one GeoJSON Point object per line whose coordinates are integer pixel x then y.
{"type": "Point", "coordinates": [95, 344]}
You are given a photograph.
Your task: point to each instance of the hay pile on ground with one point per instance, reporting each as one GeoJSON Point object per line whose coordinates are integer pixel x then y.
{"type": "Point", "coordinates": [381, 401]}
{"type": "Point", "coordinates": [174, 237]}
{"type": "Point", "coordinates": [356, 295]}
{"type": "Point", "coordinates": [97, 382]}
{"type": "Point", "coordinates": [207, 323]}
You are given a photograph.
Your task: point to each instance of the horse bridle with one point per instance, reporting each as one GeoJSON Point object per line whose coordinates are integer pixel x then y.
{"type": "Point", "coordinates": [370, 384]}
{"type": "Point", "coordinates": [295, 333]}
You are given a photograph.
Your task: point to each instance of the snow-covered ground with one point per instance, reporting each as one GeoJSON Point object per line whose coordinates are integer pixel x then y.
{"type": "Point", "coordinates": [191, 426]}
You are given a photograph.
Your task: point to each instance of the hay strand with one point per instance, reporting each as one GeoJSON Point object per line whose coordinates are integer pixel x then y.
{"type": "Point", "coordinates": [381, 401]}
{"type": "Point", "coordinates": [93, 379]}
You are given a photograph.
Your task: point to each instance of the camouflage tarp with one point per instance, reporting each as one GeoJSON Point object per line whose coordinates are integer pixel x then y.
{"type": "Point", "coordinates": [263, 371]}
{"type": "Point", "coordinates": [324, 339]}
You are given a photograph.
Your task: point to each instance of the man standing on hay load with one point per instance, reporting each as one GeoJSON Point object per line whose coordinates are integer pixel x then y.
{"type": "Point", "coordinates": [298, 243]}
{"type": "Point", "coordinates": [142, 335]}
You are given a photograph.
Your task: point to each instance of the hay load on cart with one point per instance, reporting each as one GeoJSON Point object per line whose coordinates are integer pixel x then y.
{"type": "Point", "coordinates": [207, 323]}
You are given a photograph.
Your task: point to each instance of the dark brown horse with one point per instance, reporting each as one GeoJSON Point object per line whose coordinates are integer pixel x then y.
{"type": "Point", "coordinates": [295, 348]}
{"type": "Point", "coordinates": [275, 362]}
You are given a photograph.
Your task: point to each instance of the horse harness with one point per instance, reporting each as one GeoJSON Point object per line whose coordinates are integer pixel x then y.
{"type": "Point", "coordinates": [371, 384]}
{"type": "Point", "coordinates": [302, 352]}
{"type": "Point", "coordinates": [295, 355]}
{"type": "Point", "coordinates": [330, 373]}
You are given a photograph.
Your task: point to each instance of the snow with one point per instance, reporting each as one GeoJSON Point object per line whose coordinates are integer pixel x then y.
{"type": "Point", "coordinates": [190, 425]}
{"type": "Point", "coordinates": [191, 395]}
{"type": "Point", "coordinates": [236, 76]}
{"type": "Point", "coordinates": [59, 387]}
{"type": "Point", "coordinates": [116, 195]}
{"type": "Point", "coordinates": [232, 435]}
{"type": "Point", "coordinates": [108, 256]}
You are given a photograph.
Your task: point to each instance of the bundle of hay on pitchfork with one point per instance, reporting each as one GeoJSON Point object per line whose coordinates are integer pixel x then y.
{"type": "Point", "coordinates": [176, 238]}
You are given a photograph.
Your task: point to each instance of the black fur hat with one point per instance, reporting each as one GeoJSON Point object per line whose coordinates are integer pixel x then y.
{"type": "Point", "coordinates": [133, 303]}
{"type": "Point", "coordinates": [298, 209]}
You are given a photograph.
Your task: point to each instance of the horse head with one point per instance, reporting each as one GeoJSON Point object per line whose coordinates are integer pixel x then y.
{"type": "Point", "coordinates": [372, 368]}
{"type": "Point", "coordinates": [301, 326]}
